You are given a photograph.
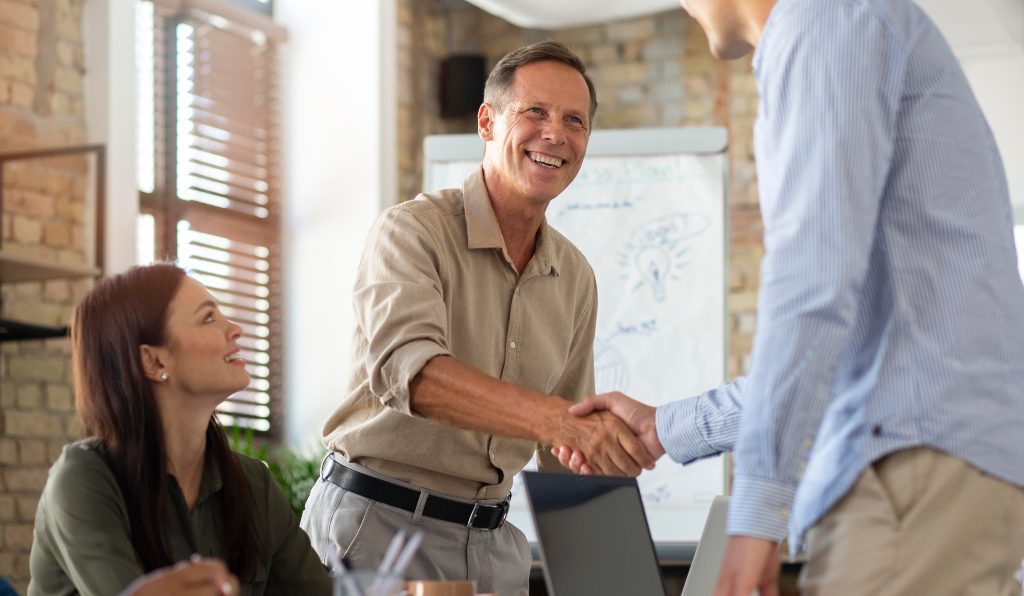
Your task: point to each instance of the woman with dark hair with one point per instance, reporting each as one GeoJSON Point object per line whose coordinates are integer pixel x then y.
{"type": "Point", "coordinates": [156, 482]}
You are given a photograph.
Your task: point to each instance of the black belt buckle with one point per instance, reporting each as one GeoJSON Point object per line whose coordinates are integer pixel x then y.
{"type": "Point", "coordinates": [501, 510]}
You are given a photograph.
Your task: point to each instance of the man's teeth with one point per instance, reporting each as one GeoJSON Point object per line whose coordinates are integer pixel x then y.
{"type": "Point", "coordinates": [232, 357]}
{"type": "Point", "coordinates": [546, 159]}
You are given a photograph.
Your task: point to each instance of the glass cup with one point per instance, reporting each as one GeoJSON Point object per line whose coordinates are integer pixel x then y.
{"type": "Point", "coordinates": [366, 583]}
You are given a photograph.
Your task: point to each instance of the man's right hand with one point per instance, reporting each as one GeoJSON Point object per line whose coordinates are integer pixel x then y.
{"type": "Point", "coordinates": [639, 417]}
{"type": "Point", "coordinates": [610, 446]}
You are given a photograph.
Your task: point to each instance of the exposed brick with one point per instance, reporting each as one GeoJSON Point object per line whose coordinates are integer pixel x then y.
{"type": "Point", "coordinates": [19, 15]}
{"type": "Point", "coordinates": [58, 397]}
{"type": "Point", "coordinates": [30, 203]}
{"type": "Point", "coordinates": [26, 509]}
{"type": "Point", "coordinates": [30, 396]}
{"type": "Point", "coordinates": [33, 424]}
{"type": "Point", "coordinates": [8, 508]}
{"type": "Point", "coordinates": [604, 54]}
{"type": "Point", "coordinates": [7, 565]}
{"type": "Point", "coordinates": [79, 237]}
{"type": "Point", "coordinates": [629, 72]}
{"type": "Point", "coordinates": [7, 388]}
{"type": "Point", "coordinates": [746, 322]}
{"type": "Point", "coordinates": [30, 367]}
{"type": "Point", "coordinates": [8, 451]}
{"type": "Point", "coordinates": [57, 234]}
{"type": "Point", "coordinates": [32, 452]}
{"type": "Point", "coordinates": [31, 308]}
{"type": "Point", "coordinates": [668, 91]}
{"type": "Point", "coordinates": [56, 291]}
{"type": "Point", "coordinates": [70, 30]}
{"type": "Point", "coordinates": [17, 41]}
{"type": "Point", "coordinates": [664, 47]}
{"type": "Point", "coordinates": [26, 230]}
{"type": "Point", "coordinates": [18, 537]}
{"type": "Point", "coordinates": [73, 426]}
{"type": "Point", "coordinates": [743, 301]}
{"type": "Point", "coordinates": [25, 479]}
{"type": "Point", "coordinates": [580, 36]}
{"type": "Point", "coordinates": [54, 449]}
{"type": "Point", "coordinates": [68, 79]}
{"type": "Point", "coordinates": [18, 68]}
{"type": "Point", "coordinates": [632, 30]}
{"type": "Point", "coordinates": [631, 95]}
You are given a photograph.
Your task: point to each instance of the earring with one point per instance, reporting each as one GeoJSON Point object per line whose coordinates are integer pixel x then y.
{"type": "Point", "coordinates": [163, 377]}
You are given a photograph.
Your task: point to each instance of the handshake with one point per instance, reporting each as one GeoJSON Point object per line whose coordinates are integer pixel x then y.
{"type": "Point", "coordinates": [609, 434]}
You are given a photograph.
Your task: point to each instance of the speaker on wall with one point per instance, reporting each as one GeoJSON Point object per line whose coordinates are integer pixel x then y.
{"type": "Point", "coordinates": [462, 84]}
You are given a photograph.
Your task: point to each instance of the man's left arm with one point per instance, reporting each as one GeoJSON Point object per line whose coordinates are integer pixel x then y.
{"type": "Point", "coordinates": [830, 95]}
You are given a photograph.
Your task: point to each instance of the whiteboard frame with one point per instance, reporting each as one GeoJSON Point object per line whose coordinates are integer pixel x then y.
{"type": "Point", "coordinates": [631, 142]}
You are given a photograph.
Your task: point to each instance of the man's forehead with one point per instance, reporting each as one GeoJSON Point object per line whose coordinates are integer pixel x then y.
{"type": "Point", "coordinates": [549, 88]}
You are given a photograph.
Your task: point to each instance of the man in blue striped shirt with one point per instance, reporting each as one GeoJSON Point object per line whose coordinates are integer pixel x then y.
{"type": "Point", "coordinates": [883, 418]}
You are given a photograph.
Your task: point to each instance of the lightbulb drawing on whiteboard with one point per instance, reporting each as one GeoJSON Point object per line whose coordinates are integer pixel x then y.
{"type": "Point", "coordinates": [653, 263]}
{"type": "Point", "coordinates": [655, 251]}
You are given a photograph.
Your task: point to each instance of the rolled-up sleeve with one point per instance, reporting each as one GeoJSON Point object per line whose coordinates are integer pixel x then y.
{"type": "Point", "coordinates": [399, 305]}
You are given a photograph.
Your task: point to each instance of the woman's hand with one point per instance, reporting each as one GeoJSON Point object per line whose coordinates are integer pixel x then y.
{"type": "Point", "coordinates": [195, 577]}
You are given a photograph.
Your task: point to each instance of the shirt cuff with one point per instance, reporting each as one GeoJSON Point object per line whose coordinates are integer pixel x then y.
{"type": "Point", "coordinates": [760, 508]}
{"type": "Point", "coordinates": [403, 366]}
{"type": "Point", "coordinates": [678, 431]}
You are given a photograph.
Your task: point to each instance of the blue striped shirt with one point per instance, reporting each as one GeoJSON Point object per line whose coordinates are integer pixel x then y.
{"type": "Point", "coordinates": [891, 312]}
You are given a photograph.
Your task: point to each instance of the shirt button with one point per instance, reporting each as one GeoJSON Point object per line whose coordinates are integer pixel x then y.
{"type": "Point", "coordinates": [784, 513]}
{"type": "Point", "coordinates": [876, 430]}
{"type": "Point", "coordinates": [512, 345]}
{"type": "Point", "coordinates": [808, 443]}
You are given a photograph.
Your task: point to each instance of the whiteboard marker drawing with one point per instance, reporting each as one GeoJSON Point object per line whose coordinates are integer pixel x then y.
{"type": "Point", "coordinates": [656, 251]}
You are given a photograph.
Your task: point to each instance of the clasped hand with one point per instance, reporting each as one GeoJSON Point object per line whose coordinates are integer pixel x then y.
{"type": "Point", "coordinates": [609, 434]}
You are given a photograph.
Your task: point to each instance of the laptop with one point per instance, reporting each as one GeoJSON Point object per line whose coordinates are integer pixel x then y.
{"type": "Point", "coordinates": [594, 538]}
{"type": "Point", "coordinates": [707, 562]}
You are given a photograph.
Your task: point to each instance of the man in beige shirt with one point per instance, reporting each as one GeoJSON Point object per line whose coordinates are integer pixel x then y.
{"type": "Point", "coordinates": [474, 331]}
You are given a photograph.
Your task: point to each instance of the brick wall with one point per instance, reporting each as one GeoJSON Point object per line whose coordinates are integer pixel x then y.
{"type": "Point", "coordinates": [650, 71]}
{"type": "Point", "coordinates": [44, 213]}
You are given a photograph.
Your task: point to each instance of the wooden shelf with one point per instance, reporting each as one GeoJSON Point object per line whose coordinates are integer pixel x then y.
{"type": "Point", "coordinates": [16, 331]}
{"type": "Point", "coordinates": [17, 268]}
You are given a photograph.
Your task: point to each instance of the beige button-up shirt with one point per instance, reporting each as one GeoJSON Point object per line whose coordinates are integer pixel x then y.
{"type": "Point", "coordinates": [435, 279]}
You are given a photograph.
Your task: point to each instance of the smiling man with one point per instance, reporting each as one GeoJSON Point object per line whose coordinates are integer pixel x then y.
{"type": "Point", "coordinates": [474, 331]}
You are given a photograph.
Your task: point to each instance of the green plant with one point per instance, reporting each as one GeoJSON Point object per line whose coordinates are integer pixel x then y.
{"type": "Point", "coordinates": [293, 473]}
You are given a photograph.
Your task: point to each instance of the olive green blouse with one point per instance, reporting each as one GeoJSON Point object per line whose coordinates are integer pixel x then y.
{"type": "Point", "coordinates": [82, 542]}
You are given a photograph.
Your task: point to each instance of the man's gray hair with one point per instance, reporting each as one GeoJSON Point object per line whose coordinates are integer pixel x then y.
{"type": "Point", "coordinates": [499, 82]}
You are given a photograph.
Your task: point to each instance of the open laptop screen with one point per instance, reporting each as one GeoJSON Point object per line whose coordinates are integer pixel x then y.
{"type": "Point", "coordinates": [593, 535]}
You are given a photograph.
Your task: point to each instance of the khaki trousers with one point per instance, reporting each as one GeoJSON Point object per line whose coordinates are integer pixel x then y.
{"type": "Point", "coordinates": [919, 522]}
{"type": "Point", "coordinates": [337, 520]}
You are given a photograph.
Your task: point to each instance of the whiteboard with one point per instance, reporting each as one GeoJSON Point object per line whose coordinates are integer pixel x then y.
{"type": "Point", "coordinates": [648, 211]}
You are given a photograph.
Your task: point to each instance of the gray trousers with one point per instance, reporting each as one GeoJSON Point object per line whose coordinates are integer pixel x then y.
{"type": "Point", "coordinates": [360, 529]}
{"type": "Point", "coordinates": [919, 522]}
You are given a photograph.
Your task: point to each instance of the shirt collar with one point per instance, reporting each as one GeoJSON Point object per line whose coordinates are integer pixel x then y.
{"type": "Point", "coordinates": [482, 228]}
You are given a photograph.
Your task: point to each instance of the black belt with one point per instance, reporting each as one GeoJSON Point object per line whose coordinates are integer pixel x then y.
{"type": "Point", "coordinates": [471, 515]}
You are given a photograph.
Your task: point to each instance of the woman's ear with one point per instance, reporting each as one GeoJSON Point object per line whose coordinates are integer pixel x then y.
{"type": "Point", "coordinates": [154, 362]}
